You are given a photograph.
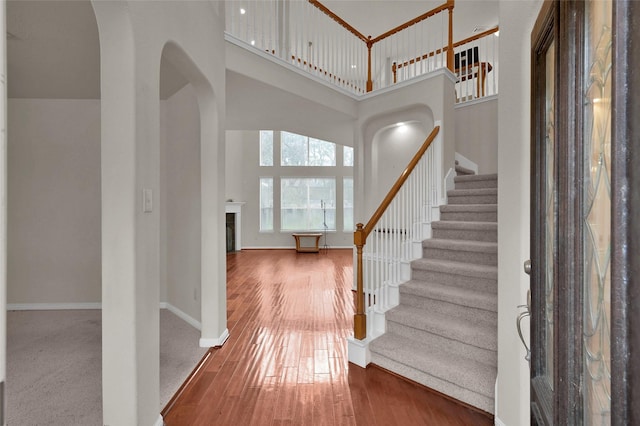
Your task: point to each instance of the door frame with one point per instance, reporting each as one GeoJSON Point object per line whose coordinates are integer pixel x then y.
{"type": "Point", "coordinates": [625, 250]}
{"type": "Point", "coordinates": [625, 205]}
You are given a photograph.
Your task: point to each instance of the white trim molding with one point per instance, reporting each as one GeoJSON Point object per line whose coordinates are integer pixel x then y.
{"type": "Point", "coordinates": [159, 421]}
{"type": "Point", "coordinates": [182, 315]}
{"type": "Point", "coordinates": [53, 306]}
{"type": "Point", "coordinates": [211, 343]}
{"type": "Point", "coordinates": [358, 351]}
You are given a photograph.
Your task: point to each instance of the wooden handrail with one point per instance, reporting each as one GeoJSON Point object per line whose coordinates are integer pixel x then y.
{"type": "Point", "coordinates": [327, 73]}
{"type": "Point", "coordinates": [363, 231]}
{"type": "Point", "coordinates": [476, 37]}
{"type": "Point", "coordinates": [456, 44]}
{"type": "Point", "coordinates": [339, 20]}
{"type": "Point", "coordinates": [434, 11]}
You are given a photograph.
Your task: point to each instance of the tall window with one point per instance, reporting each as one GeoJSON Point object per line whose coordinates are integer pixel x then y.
{"type": "Point", "coordinates": [347, 156]}
{"type": "Point", "coordinates": [298, 150]}
{"type": "Point", "coordinates": [308, 204]}
{"type": "Point", "coordinates": [266, 147]}
{"type": "Point", "coordinates": [347, 200]}
{"type": "Point", "coordinates": [266, 204]}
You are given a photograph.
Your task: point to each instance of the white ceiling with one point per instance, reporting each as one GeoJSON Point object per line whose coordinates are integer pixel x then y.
{"type": "Point", "coordinates": [53, 47]}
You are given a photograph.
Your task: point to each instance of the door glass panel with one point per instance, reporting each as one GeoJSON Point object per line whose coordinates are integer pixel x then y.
{"type": "Point", "coordinates": [597, 213]}
{"type": "Point", "coordinates": [550, 213]}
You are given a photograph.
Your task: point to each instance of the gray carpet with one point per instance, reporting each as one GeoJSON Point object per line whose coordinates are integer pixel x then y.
{"type": "Point", "coordinates": [443, 334]}
{"type": "Point", "coordinates": [54, 365]}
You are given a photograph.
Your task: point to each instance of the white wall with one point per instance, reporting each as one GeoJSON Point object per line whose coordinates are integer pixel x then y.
{"type": "Point", "coordinates": [477, 133]}
{"type": "Point", "coordinates": [427, 100]}
{"type": "Point", "coordinates": [54, 241]}
{"type": "Point", "coordinates": [391, 150]}
{"type": "Point", "coordinates": [512, 388]}
{"type": "Point", "coordinates": [180, 194]}
{"type": "Point", "coordinates": [134, 37]}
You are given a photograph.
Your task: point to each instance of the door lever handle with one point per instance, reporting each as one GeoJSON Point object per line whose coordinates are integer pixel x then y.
{"type": "Point", "coordinates": [522, 315]}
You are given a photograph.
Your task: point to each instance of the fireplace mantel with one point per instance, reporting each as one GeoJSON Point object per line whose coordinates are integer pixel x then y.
{"type": "Point", "coordinates": [235, 207]}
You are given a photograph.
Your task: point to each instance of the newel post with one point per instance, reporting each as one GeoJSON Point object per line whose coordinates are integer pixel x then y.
{"type": "Point", "coordinates": [359, 319]}
{"type": "Point", "coordinates": [369, 81]}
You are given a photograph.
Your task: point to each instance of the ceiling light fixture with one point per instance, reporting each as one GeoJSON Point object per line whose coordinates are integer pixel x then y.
{"type": "Point", "coordinates": [242, 11]}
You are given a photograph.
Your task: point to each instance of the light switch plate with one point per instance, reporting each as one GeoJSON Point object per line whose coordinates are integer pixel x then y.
{"type": "Point", "coordinates": [147, 200]}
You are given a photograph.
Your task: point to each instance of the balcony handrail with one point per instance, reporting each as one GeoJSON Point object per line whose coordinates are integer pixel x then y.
{"type": "Point", "coordinates": [449, 4]}
{"type": "Point", "coordinates": [339, 20]}
{"type": "Point", "coordinates": [445, 48]}
{"type": "Point", "coordinates": [363, 231]}
{"type": "Point", "coordinates": [369, 41]}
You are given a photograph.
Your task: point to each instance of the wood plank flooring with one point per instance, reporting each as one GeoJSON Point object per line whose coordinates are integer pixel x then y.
{"type": "Point", "coordinates": [285, 362]}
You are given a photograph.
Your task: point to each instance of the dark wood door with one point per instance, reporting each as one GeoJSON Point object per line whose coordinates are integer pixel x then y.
{"type": "Point", "coordinates": [571, 225]}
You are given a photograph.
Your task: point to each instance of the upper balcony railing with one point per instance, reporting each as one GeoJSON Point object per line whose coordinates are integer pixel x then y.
{"type": "Point", "coordinates": [475, 65]}
{"type": "Point", "coordinates": [310, 36]}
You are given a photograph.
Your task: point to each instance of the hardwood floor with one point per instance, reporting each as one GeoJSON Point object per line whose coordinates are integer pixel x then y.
{"type": "Point", "coordinates": [285, 362]}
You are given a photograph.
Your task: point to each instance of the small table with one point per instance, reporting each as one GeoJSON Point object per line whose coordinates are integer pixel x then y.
{"type": "Point", "coordinates": [300, 248]}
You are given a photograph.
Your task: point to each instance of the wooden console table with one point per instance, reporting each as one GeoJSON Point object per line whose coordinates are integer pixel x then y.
{"type": "Point", "coordinates": [300, 248]}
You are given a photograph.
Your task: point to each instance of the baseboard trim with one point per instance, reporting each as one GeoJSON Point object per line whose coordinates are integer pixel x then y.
{"type": "Point", "coordinates": [159, 421]}
{"type": "Point", "coordinates": [215, 342]}
{"type": "Point", "coordinates": [194, 372]}
{"type": "Point", "coordinates": [182, 315]}
{"type": "Point", "coordinates": [53, 306]}
{"type": "Point", "coordinates": [498, 422]}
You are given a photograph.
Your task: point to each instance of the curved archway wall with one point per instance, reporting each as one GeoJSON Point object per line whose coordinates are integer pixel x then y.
{"type": "Point", "coordinates": [421, 104]}
{"type": "Point", "coordinates": [133, 36]}
{"type": "Point", "coordinates": [397, 139]}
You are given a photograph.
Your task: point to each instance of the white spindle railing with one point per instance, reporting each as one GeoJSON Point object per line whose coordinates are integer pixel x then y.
{"type": "Point", "coordinates": [316, 40]}
{"type": "Point", "coordinates": [397, 237]}
{"type": "Point", "coordinates": [475, 66]}
{"type": "Point", "coordinates": [414, 51]}
{"type": "Point", "coordinates": [301, 34]}
{"type": "Point", "coordinates": [478, 76]}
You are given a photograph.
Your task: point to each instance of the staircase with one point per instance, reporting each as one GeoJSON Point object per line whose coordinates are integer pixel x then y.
{"type": "Point", "coordinates": [443, 334]}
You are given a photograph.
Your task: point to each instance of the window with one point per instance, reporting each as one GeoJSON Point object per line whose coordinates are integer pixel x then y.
{"type": "Point", "coordinates": [266, 147]}
{"type": "Point", "coordinates": [308, 204]}
{"type": "Point", "coordinates": [347, 153]}
{"type": "Point", "coordinates": [298, 150]}
{"type": "Point", "coordinates": [266, 204]}
{"type": "Point", "coordinates": [347, 200]}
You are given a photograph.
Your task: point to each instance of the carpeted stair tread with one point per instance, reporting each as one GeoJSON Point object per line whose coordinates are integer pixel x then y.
{"type": "Point", "coordinates": [467, 178]}
{"type": "Point", "coordinates": [475, 226]}
{"type": "Point", "coordinates": [480, 208]}
{"type": "Point", "coordinates": [475, 181]}
{"type": "Point", "coordinates": [459, 268]}
{"type": "Point", "coordinates": [469, 212]}
{"type": "Point", "coordinates": [463, 170]}
{"type": "Point", "coordinates": [476, 252]}
{"type": "Point", "coordinates": [476, 334]}
{"type": "Point", "coordinates": [437, 363]}
{"type": "Point", "coordinates": [451, 294]}
{"type": "Point", "coordinates": [462, 245]}
{"type": "Point", "coordinates": [472, 192]}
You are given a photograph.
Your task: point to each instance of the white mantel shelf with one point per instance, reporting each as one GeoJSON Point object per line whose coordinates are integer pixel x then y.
{"type": "Point", "coordinates": [235, 207]}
